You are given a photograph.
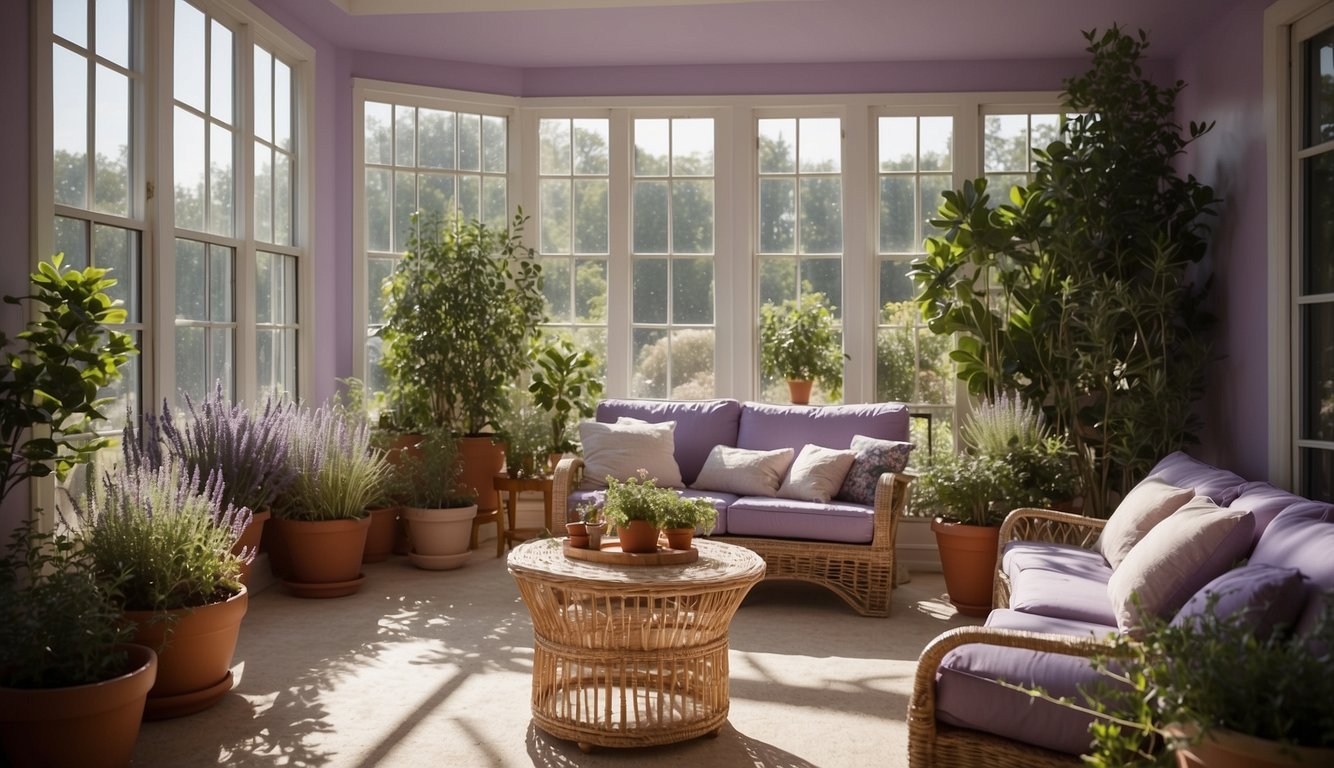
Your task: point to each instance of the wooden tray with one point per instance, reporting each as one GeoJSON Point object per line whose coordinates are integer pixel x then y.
{"type": "Point", "coordinates": [611, 553]}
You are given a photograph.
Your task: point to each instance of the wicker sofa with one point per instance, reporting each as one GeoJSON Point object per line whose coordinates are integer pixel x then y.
{"type": "Point", "coordinates": [843, 546]}
{"type": "Point", "coordinates": [1052, 607]}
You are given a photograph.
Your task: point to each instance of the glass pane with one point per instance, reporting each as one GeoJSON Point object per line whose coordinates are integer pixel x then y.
{"type": "Point", "coordinates": [219, 284]}
{"type": "Point", "coordinates": [555, 207]}
{"type": "Point", "coordinates": [692, 147]}
{"type": "Point", "coordinates": [821, 215]}
{"type": "Point", "coordinates": [437, 138]}
{"type": "Point", "coordinates": [652, 147]}
{"type": "Point", "coordinates": [895, 365]}
{"type": "Point", "coordinates": [895, 285]}
{"type": "Point", "coordinates": [692, 364]}
{"type": "Point", "coordinates": [556, 289]}
{"type": "Point", "coordinates": [495, 203]}
{"type": "Point", "coordinates": [377, 271]}
{"type": "Point", "coordinates": [265, 364]}
{"type": "Point", "coordinates": [935, 374]}
{"type": "Point", "coordinates": [221, 173]}
{"type": "Point", "coordinates": [898, 206]}
{"type": "Point", "coordinates": [188, 166]}
{"type": "Point", "coordinates": [282, 199]}
{"type": "Point", "coordinates": [125, 393]}
{"type": "Point", "coordinates": [821, 144]}
{"type": "Point", "coordinates": [188, 48]}
{"type": "Point", "coordinates": [379, 135]}
{"type": "Point", "coordinates": [553, 136]}
{"type": "Point", "coordinates": [692, 216]}
{"type": "Point", "coordinates": [1045, 129]}
{"type": "Point", "coordinates": [493, 144]}
{"type": "Point", "coordinates": [1317, 414]}
{"type": "Point", "coordinates": [1319, 86]}
{"type": "Point", "coordinates": [405, 204]}
{"type": "Point", "coordinates": [220, 85]}
{"type": "Point", "coordinates": [591, 215]}
{"type": "Point", "coordinates": [898, 143]}
{"type": "Point", "coordinates": [1317, 474]}
{"type": "Point", "coordinates": [692, 291]}
{"type": "Point", "coordinates": [72, 240]}
{"type": "Point", "coordinates": [937, 144]}
{"type": "Point", "coordinates": [69, 112]}
{"type": "Point", "coordinates": [113, 29]}
{"type": "Point", "coordinates": [376, 381]}
{"type": "Point", "coordinates": [590, 291]}
{"type": "Point", "coordinates": [1005, 145]}
{"type": "Point", "coordinates": [778, 215]}
{"type": "Point", "coordinates": [470, 142]}
{"type": "Point", "coordinates": [824, 276]}
{"type": "Point", "coordinates": [282, 104]}
{"type": "Point", "coordinates": [933, 186]}
{"type": "Point", "coordinates": [436, 196]}
{"type": "Point", "coordinates": [778, 148]}
{"type": "Point", "coordinates": [650, 217]}
{"type": "Point", "coordinates": [265, 301]}
{"type": "Point", "coordinates": [999, 186]}
{"type": "Point", "coordinates": [117, 249]}
{"type": "Point", "coordinates": [652, 352]}
{"type": "Point", "coordinates": [263, 192]}
{"type": "Point", "coordinates": [69, 19]}
{"type": "Point", "coordinates": [778, 280]}
{"type": "Point", "coordinates": [191, 368]}
{"type": "Point", "coordinates": [289, 289]}
{"type": "Point", "coordinates": [191, 273]}
{"type": "Point", "coordinates": [1318, 220]}
{"type": "Point", "coordinates": [111, 143]}
{"type": "Point", "coordinates": [470, 198]}
{"type": "Point", "coordinates": [379, 206]}
{"type": "Point", "coordinates": [405, 135]}
{"type": "Point", "coordinates": [591, 140]}
{"type": "Point", "coordinates": [220, 358]}
{"type": "Point", "coordinates": [649, 303]}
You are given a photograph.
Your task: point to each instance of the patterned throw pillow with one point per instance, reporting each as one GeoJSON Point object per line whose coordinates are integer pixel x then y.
{"type": "Point", "coordinates": [874, 458]}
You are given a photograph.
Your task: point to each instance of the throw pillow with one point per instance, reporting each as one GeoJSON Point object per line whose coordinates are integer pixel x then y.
{"type": "Point", "coordinates": [621, 450]}
{"type": "Point", "coordinates": [874, 458]}
{"type": "Point", "coordinates": [817, 474]}
{"type": "Point", "coordinates": [1176, 559]}
{"type": "Point", "coordinates": [743, 472]}
{"type": "Point", "coordinates": [1147, 504]}
{"type": "Point", "coordinates": [1266, 596]}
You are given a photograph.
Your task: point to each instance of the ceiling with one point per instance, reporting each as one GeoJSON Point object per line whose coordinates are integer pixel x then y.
{"type": "Point", "coordinates": [572, 33]}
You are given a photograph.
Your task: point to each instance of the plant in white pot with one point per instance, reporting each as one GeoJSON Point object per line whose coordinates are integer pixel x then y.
{"type": "Point", "coordinates": [438, 512]}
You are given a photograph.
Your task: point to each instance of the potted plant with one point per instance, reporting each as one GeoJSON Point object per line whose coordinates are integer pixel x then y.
{"type": "Point", "coordinates": [438, 512]}
{"type": "Point", "coordinates": [800, 342]}
{"type": "Point", "coordinates": [1011, 462]}
{"type": "Point", "coordinates": [686, 515]}
{"type": "Point", "coordinates": [637, 508]}
{"type": "Point", "coordinates": [460, 310]}
{"type": "Point", "coordinates": [594, 525]}
{"type": "Point", "coordinates": [166, 550]}
{"type": "Point", "coordinates": [524, 429]}
{"type": "Point", "coordinates": [322, 518]}
{"type": "Point", "coordinates": [72, 691]}
{"type": "Point", "coordinates": [566, 387]}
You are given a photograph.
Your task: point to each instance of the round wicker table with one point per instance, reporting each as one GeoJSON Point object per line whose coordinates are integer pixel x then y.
{"type": "Point", "coordinates": [631, 655]}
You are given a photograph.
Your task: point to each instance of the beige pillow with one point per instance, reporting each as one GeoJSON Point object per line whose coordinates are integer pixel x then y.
{"type": "Point", "coordinates": [743, 472]}
{"type": "Point", "coordinates": [1176, 559]}
{"type": "Point", "coordinates": [817, 474]}
{"type": "Point", "coordinates": [1147, 504]}
{"type": "Point", "coordinates": [621, 450]}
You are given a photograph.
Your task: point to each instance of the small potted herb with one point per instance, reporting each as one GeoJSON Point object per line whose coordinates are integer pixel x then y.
{"type": "Point", "coordinates": [637, 508]}
{"type": "Point", "coordinates": [593, 523]}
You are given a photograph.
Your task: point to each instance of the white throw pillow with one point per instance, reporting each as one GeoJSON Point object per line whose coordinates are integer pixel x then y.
{"type": "Point", "coordinates": [817, 474]}
{"type": "Point", "coordinates": [621, 450]}
{"type": "Point", "coordinates": [743, 472]}
{"type": "Point", "coordinates": [1147, 504]}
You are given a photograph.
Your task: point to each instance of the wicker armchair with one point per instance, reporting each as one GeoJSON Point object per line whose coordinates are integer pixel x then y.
{"type": "Point", "coordinates": [1030, 524]}
{"type": "Point", "coordinates": [861, 574]}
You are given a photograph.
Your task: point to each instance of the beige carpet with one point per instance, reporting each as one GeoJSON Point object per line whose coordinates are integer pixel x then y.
{"type": "Point", "coordinates": [432, 669]}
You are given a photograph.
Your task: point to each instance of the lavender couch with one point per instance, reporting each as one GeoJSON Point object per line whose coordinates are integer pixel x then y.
{"type": "Point", "coordinates": [1052, 608]}
{"type": "Point", "coordinates": [844, 546]}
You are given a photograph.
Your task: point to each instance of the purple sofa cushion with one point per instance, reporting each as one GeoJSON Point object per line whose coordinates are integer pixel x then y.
{"type": "Point", "coordinates": [1184, 471]}
{"type": "Point", "coordinates": [1069, 559]}
{"type": "Point", "coordinates": [721, 501]}
{"type": "Point", "coordinates": [766, 427]}
{"type": "Point", "coordinates": [792, 519]}
{"type": "Point", "coordinates": [1265, 502]}
{"type": "Point", "coordinates": [1079, 597]}
{"type": "Point", "coordinates": [1302, 537]}
{"type": "Point", "coordinates": [700, 425]}
{"type": "Point", "coordinates": [968, 696]}
{"type": "Point", "coordinates": [1266, 596]}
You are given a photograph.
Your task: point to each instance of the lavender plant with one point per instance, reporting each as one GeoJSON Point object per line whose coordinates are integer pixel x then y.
{"type": "Point", "coordinates": [337, 473]}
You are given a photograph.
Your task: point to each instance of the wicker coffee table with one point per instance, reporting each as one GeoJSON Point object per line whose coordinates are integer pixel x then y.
{"type": "Point", "coordinates": [631, 655]}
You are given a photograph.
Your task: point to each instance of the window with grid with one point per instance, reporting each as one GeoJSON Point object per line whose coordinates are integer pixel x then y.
{"type": "Point", "coordinates": [424, 166]}
{"type": "Point", "coordinates": [1007, 148]}
{"type": "Point", "coordinates": [574, 217]}
{"type": "Point", "coordinates": [800, 218]}
{"type": "Point", "coordinates": [672, 248]}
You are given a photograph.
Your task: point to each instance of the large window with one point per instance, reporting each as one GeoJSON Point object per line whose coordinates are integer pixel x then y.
{"type": "Point", "coordinates": [1008, 142]}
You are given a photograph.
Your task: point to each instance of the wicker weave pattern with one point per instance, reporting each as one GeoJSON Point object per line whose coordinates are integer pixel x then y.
{"type": "Point", "coordinates": [1030, 524]}
{"type": "Point", "coordinates": [861, 574]}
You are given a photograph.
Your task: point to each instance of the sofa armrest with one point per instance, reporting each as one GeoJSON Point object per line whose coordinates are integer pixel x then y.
{"type": "Point", "coordinates": [1031, 524]}
{"type": "Point", "coordinates": [892, 491]}
{"type": "Point", "coordinates": [569, 472]}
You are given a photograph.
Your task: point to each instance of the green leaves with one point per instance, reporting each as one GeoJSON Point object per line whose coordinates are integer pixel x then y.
{"type": "Point", "coordinates": [799, 341]}
{"type": "Point", "coordinates": [565, 385]}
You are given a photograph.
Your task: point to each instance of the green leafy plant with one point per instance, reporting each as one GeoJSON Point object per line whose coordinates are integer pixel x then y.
{"type": "Point", "coordinates": [49, 388]}
{"type": "Point", "coordinates": [1080, 290]}
{"type": "Point", "coordinates": [638, 498]}
{"type": "Point", "coordinates": [691, 513]}
{"type": "Point", "coordinates": [524, 428]}
{"type": "Point", "coordinates": [589, 512]}
{"type": "Point", "coordinates": [800, 342]}
{"type": "Point", "coordinates": [427, 474]}
{"type": "Point", "coordinates": [461, 309]}
{"type": "Point", "coordinates": [338, 473]}
{"type": "Point", "coordinates": [565, 385]}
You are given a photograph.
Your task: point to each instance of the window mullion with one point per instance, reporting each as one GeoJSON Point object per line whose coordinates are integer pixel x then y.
{"type": "Point", "coordinates": [243, 297]}
{"type": "Point", "coordinates": [620, 355]}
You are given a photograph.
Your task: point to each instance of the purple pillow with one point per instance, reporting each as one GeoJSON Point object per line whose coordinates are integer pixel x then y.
{"type": "Point", "coordinates": [874, 458]}
{"type": "Point", "coordinates": [1266, 596]}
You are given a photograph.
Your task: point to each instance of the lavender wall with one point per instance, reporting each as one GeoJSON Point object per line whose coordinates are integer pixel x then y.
{"type": "Point", "coordinates": [1224, 72]}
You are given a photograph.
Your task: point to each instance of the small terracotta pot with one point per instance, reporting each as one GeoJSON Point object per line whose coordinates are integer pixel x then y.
{"type": "Point", "coordinates": [679, 538]}
{"type": "Point", "coordinates": [799, 391]}
{"type": "Point", "coordinates": [640, 536]}
{"type": "Point", "coordinates": [576, 529]}
{"type": "Point", "coordinates": [968, 558]}
{"type": "Point", "coordinates": [578, 542]}
{"type": "Point", "coordinates": [595, 535]}
{"type": "Point", "coordinates": [380, 536]}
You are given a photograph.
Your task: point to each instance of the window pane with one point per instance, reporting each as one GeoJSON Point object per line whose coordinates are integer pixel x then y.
{"type": "Point", "coordinates": [650, 217]}
{"type": "Point", "coordinates": [933, 186]}
{"type": "Point", "coordinates": [824, 276]}
{"type": "Point", "coordinates": [692, 216]}
{"type": "Point", "coordinates": [556, 289]}
{"type": "Point", "coordinates": [692, 364]}
{"type": "Point", "coordinates": [69, 19]}
{"type": "Point", "coordinates": [117, 249]}
{"type": "Point", "coordinates": [289, 289]}
{"type": "Point", "coordinates": [282, 199]}
{"type": "Point", "coordinates": [651, 362]}
{"type": "Point", "coordinates": [591, 140]}
{"type": "Point", "coordinates": [555, 204]}
{"type": "Point", "coordinates": [379, 206]}
{"type": "Point", "coordinates": [265, 279]}
{"type": "Point", "coordinates": [188, 48]}
{"type": "Point", "coordinates": [113, 29]}
{"type": "Point", "coordinates": [652, 147]}
{"type": "Point", "coordinates": [377, 271]}
{"type": "Point", "coordinates": [112, 143]}
{"type": "Point", "coordinates": [405, 135]}
{"type": "Point", "coordinates": [1006, 143]}
{"type": "Point", "coordinates": [188, 166]}
{"type": "Point", "coordinates": [590, 291]}
{"type": "Point", "coordinates": [191, 275]}
{"type": "Point", "coordinates": [554, 146]}
{"type": "Point", "coordinates": [650, 291]}
{"type": "Point", "coordinates": [263, 94]}
{"type": "Point", "coordinates": [220, 358]}
{"type": "Point", "coordinates": [590, 215]}
{"type": "Point", "coordinates": [778, 280]}
{"type": "Point", "coordinates": [263, 183]}
{"type": "Point", "coordinates": [999, 186]}
{"type": "Point", "coordinates": [436, 196]}
{"type": "Point", "coordinates": [692, 147]}
{"type": "Point", "coordinates": [1318, 243]}
{"type": "Point", "coordinates": [470, 198]}
{"type": "Point", "coordinates": [437, 138]}
{"type": "Point", "coordinates": [937, 144]}
{"type": "Point", "coordinates": [895, 285]}
{"type": "Point", "coordinates": [378, 120]}
{"type": "Point", "coordinates": [493, 144]}
{"type": "Point", "coordinates": [692, 291]}
{"type": "Point", "coordinates": [778, 206]}
{"type": "Point", "coordinates": [897, 209]}
{"type": "Point", "coordinates": [896, 364]}
{"type": "Point", "coordinates": [125, 393]}
{"type": "Point", "coordinates": [220, 284]}
{"type": "Point", "coordinates": [778, 149]}
{"type": "Point", "coordinates": [821, 215]}
{"type": "Point", "coordinates": [282, 104]}
{"type": "Point", "coordinates": [1317, 474]}
{"type": "Point", "coordinates": [1319, 96]}
{"type": "Point", "coordinates": [1318, 379]}
{"type": "Point", "coordinates": [405, 204]}
{"type": "Point", "coordinates": [898, 143]}
{"type": "Point", "coordinates": [495, 204]}
{"type": "Point", "coordinates": [72, 240]}
{"type": "Point", "coordinates": [266, 366]}
{"type": "Point", "coordinates": [220, 71]}
{"type": "Point", "coordinates": [221, 174]}
{"type": "Point", "coordinates": [470, 143]}
{"type": "Point", "coordinates": [821, 144]}
{"type": "Point", "coordinates": [69, 110]}
{"type": "Point", "coordinates": [191, 368]}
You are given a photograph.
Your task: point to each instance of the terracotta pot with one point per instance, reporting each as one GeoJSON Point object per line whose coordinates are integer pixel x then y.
{"type": "Point", "coordinates": [250, 539]}
{"type": "Point", "coordinates": [195, 648]}
{"type": "Point", "coordinates": [91, 726]}
{"type": "Point", "coordinates": [380, 536]}
{"type": "Point", "coordinates": [325, 555]}
{"type": "Point", "coordinates": [799, 391]}
{"type": "Point", "coordinates": [1222, 748]}
{"type": "Point", "coordinates": [483, 458]}
{"type": "Point", "coordinates": [594, 535]}
{"type": "Point", "coordinates": [439, 536]}
{"type": "Point", "coordinates": [968, 558]}
{"type": "Point", "coordinates": [576, 529]}
{"type": "Point", "coordinates": [679, 538]}
{"type": "Point", "coordinates": [579, 542]}
{"type": "Point", "coordinates": [639, 536]}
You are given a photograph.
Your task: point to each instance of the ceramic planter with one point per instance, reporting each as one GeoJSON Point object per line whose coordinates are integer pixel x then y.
{"type": "Point", "coordinates": [250, 539]}
{"type": "Point", "coordinates": [90, 726]}
{"type": "Point", "coordinates": [799, 391]}
{"type": "Point", "coordinates": [439, 536]}
{"type": "Point", "coordinates": [482, 460]}
{"type": "Point", "coordinates": [1221, 748]}
{"type": "Point", "coordinates": [638, 536]}
{"type": "Point", "coordinates": [968, 558]}
{"type": "Point", "coordinates": [195, 648]}
{"type": "Point", "coordinates": [679, 538]}
{"type": "Point", "coordinates": [324, 556]}
{"type": "Point", "coordinates": [380, 536]}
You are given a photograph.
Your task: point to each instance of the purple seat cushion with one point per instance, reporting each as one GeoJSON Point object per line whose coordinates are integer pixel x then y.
{"type": "Point", "coordinates": [839, 521]}
{"type": "Point", "coordinates": [1302, 537]}
{"type": "Point", "coordinates": [700, 425]}
{"type": "Point", "coordinates": [1063, 596]}
{"type": "Point", "coordinates": [1057, 558]}
{"type": "Point", "coordinates": [1265, 502]}
{"type": "Point", "coordinates": [721, 501]}
{"type": "Point", "coordinates": [1184, 471]}
{"type": "Point", "coordinates": [968, 696]}
{"type": "Point", "coordinates": [1265, 596]}
{"type": "Point", "coordinates": [766, 427]}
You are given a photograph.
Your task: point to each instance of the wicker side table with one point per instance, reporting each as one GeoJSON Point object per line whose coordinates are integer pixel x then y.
{"type": "Point", "coordinates": [631, 656]}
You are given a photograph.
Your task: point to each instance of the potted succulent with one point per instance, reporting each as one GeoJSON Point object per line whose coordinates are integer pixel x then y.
{"type": "Point", "coordinates": [322, 518]}
{"type": "Point", "coordinates": [565, 385]}
{"type": "Point", "coordinates": [438, 512]}
{"type": "Point", "coordinates": [637, 508]}
{"type": "Point", "coordinates": [685, 516]}
{"type": "Point", "coordinates": [799, 341]}
{"type": "Point", "coordinates": [460, 311]}
{"type": "Point", "coordinates": [166, 550]}
{"type": "Point", "coordinates": [72, 690]}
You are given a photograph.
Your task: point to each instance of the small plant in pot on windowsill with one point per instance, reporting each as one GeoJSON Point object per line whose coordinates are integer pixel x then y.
{"type": "Point", "coordinates": [438, 512]}
{"type": "Point", "coordinates": [637, 508]}
{"type": "Point", "coordinates": [800, 342]}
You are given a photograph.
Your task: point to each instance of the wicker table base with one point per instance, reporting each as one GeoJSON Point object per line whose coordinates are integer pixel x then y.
{"type": "Point", "coordinates": [630, 656]}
